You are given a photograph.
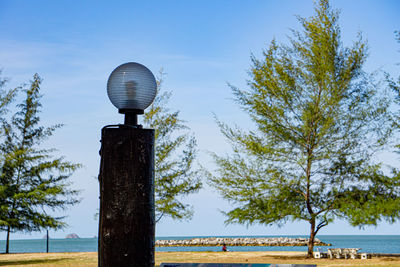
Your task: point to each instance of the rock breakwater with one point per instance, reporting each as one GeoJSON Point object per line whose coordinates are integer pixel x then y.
{"type": "Point", "coordinates": [240, 241]}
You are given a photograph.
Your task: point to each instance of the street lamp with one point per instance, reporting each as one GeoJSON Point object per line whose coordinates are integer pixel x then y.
{"type": "Point", "coordinates": [127, 225]}
{"type": "Point", "coordinates": [131, 88]}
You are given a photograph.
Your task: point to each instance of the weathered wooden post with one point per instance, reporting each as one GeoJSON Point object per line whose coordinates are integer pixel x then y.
{"type": "Point", "coordinates": [127, 197]}
{"type": "Point", "coordinates": [127, 224]}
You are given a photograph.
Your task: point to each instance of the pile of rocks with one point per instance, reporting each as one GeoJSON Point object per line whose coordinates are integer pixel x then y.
{"type": "Point", "coordinates": [240, 241]}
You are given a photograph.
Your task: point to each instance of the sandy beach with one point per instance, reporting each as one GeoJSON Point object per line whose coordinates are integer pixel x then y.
{"type": "Point", "coordinates": [83, 259]}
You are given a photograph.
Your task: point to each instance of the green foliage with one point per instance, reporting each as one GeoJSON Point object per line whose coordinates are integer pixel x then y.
{"type": "Point", "coordinates": [175, 152]}
{"type": "Point", "coordinates": [319, 120]}
{"type": "Point", "coordinates": [394, 85]}
{"type": "Point", "coordinates": [6, 97]}
{"type": "Point", "coordinates": [32, 181]}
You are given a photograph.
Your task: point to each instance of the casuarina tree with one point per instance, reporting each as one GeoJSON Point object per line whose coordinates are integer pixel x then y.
{"type": "Point", "coordinates": [33, 182]}
{"type": "Point", "coordinates": [175, 154]}
{"type": "Point", "coordinates": [394, 85]}
{"type": "Point", "coordinates": [319, 120]}
{"type": "Point", "coordinates": [6, 97]}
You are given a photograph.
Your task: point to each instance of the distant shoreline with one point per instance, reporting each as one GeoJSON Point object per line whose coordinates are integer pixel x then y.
{"type": "Point", "coordinates": [239, 241]}
{"type": "Point", "coordinates": [368, 244]}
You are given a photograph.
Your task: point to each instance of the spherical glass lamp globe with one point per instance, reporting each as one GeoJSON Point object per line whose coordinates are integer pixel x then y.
{"type": "Point", "coordinates": [131, 88]}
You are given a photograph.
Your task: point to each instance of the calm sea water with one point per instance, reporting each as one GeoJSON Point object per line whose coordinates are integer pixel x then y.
{"type": "Point", "coordinates": [367, 243]}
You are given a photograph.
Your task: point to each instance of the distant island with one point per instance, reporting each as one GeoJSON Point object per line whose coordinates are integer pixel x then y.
{"type": "Point", "coordinates": [72, 236]}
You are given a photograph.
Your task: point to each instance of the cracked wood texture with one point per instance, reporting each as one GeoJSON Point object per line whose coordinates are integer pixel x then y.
{"type": "Point", "coordinates": [127, 226]}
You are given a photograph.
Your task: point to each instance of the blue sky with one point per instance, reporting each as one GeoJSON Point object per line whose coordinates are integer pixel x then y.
{"type": "Point", "coordinates": [201, 45]}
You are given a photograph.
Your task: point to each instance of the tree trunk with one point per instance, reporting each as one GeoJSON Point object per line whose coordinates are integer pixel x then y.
{"type": "Point", "coordinates": [311, 240]}
{"type": "Point", "coordinates": [47, 241]}
{"type": "Point", "coordinates": [8, 240]}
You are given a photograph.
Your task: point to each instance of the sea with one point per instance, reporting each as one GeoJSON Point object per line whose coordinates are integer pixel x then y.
{"type": "Point", "coordinates": [367, 243]}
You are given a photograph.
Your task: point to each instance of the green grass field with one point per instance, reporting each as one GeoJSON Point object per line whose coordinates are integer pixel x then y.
{"type": "Point", "coordinates": [88, 259]}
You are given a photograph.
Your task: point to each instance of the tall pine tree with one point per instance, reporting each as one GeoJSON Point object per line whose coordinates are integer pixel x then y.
{"type": "Point", "coordinates": [33, 181]}
{"type": "Point", "coordinates": [175, 153]}
{"type": "Point", "coordinates": [6, 97]}
{"type": "Point", "coordinates": [319, 121]}
{"type": "Point", "coordinates": [394, 85]}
